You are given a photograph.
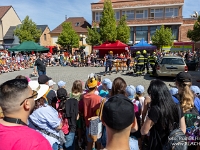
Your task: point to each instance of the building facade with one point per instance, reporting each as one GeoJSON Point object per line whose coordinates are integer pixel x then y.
{"type": "Point", "coordinates": [79, 24]}
{"type": "Point", "coordinates": [145, 16]}
{"type": "Point", "coordinates": [45, 38]}
{"type": "Point", "coordinates": [10, 40]}
{"type": "Point", "coordinates": [8, 17]}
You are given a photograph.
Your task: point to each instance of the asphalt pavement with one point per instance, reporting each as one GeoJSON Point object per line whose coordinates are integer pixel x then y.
{"type": "Point", "coordinates": [70, 74]}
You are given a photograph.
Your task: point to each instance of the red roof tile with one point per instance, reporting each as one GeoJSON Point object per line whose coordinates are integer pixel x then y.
{"type": "Point", "coordinates": [3, 10]}
{"type": "Point", "coordinates": [79, 28]}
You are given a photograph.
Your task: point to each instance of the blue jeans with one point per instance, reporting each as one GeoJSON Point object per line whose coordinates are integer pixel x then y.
{"type": "Point", "coordinates": [55, 146]}
{"type": "Point", "coordinates": [70, 145]}
{"type": "Point", "coordinates": [41, 72]}
{"type": "Point", "coordinates": [108, 65]}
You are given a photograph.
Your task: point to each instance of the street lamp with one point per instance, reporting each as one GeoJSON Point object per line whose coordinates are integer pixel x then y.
{"type": "Point", "coordinates": [82, 37]}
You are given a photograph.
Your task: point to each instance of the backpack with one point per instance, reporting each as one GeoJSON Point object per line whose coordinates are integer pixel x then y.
{"type": "Point", "coordinates": [192, 121]}
{"type": "Point", "coordinates": [176, 138]}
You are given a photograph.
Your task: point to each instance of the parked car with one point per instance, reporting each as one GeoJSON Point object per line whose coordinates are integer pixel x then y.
{"type": "Point", "coordinates": [171, 66]}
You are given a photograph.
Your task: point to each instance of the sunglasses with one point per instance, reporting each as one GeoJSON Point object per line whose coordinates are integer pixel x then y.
{"type": "Point", "coordinates": [34, 95]}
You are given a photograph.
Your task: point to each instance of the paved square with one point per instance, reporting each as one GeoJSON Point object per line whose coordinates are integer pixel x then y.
{"type": "Point", "coordinates": [70, 74]}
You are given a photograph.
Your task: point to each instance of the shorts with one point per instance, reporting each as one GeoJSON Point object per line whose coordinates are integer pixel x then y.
{"type": "Point", "coordinates": [88, 137]}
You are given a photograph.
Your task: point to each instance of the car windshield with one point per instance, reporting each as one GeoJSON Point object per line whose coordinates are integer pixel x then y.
{"type": "Point", "coordinates": [174, 61]}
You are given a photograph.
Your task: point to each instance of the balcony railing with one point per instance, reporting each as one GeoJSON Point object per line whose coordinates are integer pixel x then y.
{"type": "Point", "coordinates": [152, 20]}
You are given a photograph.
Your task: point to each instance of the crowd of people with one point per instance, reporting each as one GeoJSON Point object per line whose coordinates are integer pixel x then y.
{"type": "Point", "coordinates": [134, 63]}
{"type": "Point", "coordinates": [101, 114]}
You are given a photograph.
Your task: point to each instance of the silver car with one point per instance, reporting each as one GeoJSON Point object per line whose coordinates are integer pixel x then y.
{"type": "Point", "coordinates": [171, 66]}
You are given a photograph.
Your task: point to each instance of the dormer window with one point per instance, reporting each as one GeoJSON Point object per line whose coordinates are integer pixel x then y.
{"type": "Point", "coordinates": [77, 24]}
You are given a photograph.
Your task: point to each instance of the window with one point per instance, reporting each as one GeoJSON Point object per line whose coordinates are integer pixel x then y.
{"type": "Point", "coordinates": [153, 30]}
{"type": "Point", "coordinates": [172, 61]}
{"type": "Point", "coordinates": [141, 14]}
{"type": "Point", "coordinates": [117, 15]}
{"type": "Point", "coordinates": [175, 30]}
{"type": "Point", "coordinates": [129, 14]}
{"type": "Point", "coordinates": [157, 13]}
{"type": "Point", "coordinates": [98, 16]}
{"type": "Point", "coordinates": [45, 37]}
{"type": "Point", "coordinates": [77, 24]}
{"type": "Point", "coordinates": [171, 12]}
{"type": "Point", "coordinates": [141, 32]}
{"type": "Point", "coordinates": [131, 38]}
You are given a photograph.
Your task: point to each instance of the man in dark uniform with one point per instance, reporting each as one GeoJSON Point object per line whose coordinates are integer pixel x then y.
{"type": "Point", "coordinates": [139, 63]}
{"type": "Point", "coordinates": [152, 61]}
{"type": "Point", "coordinates": [41, 65]}
{"type": "Point", "coordinates": [146, 63]}
{"type": "Point", "coordinates": [109, 59]}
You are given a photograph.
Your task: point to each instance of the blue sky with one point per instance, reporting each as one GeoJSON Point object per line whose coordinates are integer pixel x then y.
{"type": "Point", "coordinates": [52, 12]}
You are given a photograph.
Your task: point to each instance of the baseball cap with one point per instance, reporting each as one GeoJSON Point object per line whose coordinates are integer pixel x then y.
{"type": "Point", "coordinates": [130, 90]}
{"type": "Point", "coordinates": [43, 79]}
{"type": "Point", "coordinates": [183, 77]}
{"type": "Point", "coordinates": [195, 89]}
{"type": "Point", "coordinates": [61, 83]}
{"type": "Point", "coordinates": [61, 93]}
{"type": "Point", "coordinates": [108, 83]}
{"type": "Point", "coordinates": [139, 89]}
{"type": "Point", "coordinates": [173, 91]}
{"type": "Point", "coordinates": [51, 83]}
{"type": "Point", "coordinates": [114, 111]}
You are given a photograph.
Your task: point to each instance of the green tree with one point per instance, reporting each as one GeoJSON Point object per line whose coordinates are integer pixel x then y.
{"type": "Point", "coordinates": [194, 34]}
{"type": "Point", "coordinates": [28, 31]}
{"type": "Point", "coordinates": [93, 36]}
{"type": "Point", "coordinates": [123, 31]}
{"type": "Point", "coordinates": [162, 37]}
{"type": "Point", "coordinates": [68, 37]}
{"type": "Point", "coordinates": [107, 23]}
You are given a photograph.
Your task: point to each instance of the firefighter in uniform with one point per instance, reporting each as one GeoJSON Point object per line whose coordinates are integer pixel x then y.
{"type": "Point", "coordinates": [139, 63]}
{"type": "Point", "coordinates": [146, 63]}
{"type": "Point", "coordinates": [109, 59]}
{"type": "Point", "coordinates": [152, 61]}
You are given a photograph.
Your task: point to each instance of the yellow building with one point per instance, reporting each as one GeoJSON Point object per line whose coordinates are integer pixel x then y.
{"type": "Point", "coordinates": [79, 24]}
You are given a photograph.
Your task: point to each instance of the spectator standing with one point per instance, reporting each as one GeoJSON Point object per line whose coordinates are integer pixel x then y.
{"type": "Point", "coordinates": [76, 92]}
{"type": "Point", "coordinates": [50, 95]}
{"type": "Point", "coordinates": [45, 118]}
{"type": "Point", "coordinates": [91, 102]}
{"type": "Point", "coordinates": [17, 103]}
{"type": "Point", "coordinates": [118, 127]}
{"type": "Point", "coordinates": [61, 84]}
{"type": "Point", "coordinates": [40, 64]}
{"type": "Point", "coordinates": [162, 115]}
{"type": "Point", "coordinates": [69, 107]}
{"type": "Point", "coordinates": [140, 95]}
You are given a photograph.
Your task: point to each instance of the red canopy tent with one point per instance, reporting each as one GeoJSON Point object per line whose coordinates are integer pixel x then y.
{"type": "Point", "coordinates": [117, 48]}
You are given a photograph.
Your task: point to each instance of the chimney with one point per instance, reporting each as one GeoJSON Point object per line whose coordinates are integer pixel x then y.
{"type": "Point", "coordinates": [65, 17]}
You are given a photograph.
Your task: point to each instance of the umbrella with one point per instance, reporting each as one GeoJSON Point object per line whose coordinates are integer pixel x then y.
{"type": "Point", "coordinates": [28, 46]}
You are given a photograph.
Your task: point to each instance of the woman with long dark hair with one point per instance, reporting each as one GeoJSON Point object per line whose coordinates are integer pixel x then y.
{"type": "Point", "coordinates": [162, 115]}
